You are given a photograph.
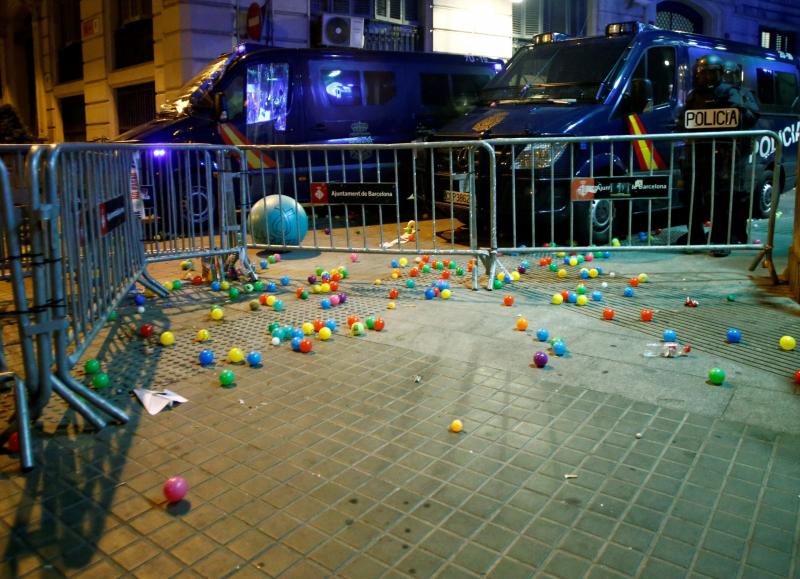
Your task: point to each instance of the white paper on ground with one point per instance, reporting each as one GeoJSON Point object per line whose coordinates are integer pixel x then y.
{"type": "Point", "coordinates": [154, 401]}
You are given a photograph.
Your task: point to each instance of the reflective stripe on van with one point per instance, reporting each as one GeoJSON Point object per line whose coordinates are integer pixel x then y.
{"type": "Point", "coordinates": [643, 148]}
{"type": "Point", "coordinates": [255, 159]}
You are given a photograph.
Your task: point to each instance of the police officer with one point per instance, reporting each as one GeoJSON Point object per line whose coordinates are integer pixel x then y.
{"type": "Point", "coordinates": [717, 85]}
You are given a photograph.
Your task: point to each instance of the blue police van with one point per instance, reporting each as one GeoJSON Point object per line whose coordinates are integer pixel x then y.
{"type": "Point", "coordinates": [265, 96]}
{"type": "Point", "coordinates": [631, 81]}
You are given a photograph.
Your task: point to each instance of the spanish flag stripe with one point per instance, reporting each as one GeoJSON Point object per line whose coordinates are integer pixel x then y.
{"type": "Point", "coordinates": [646, 153]}
{"type": "Point", "coordinates": [255, 159]}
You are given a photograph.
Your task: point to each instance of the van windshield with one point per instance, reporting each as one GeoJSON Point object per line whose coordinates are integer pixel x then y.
{"type": "Point", "coordinates": [558, 71]}
{"type": "Point", "coordinates": [196, 92]}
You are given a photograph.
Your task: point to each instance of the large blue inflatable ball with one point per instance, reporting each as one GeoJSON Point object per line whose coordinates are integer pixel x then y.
{"type": "Point", "coordinates": [277, 219]}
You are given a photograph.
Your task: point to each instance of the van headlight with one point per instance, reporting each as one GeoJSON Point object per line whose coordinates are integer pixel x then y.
{"type": "Point", "coordinates": [539, 155]}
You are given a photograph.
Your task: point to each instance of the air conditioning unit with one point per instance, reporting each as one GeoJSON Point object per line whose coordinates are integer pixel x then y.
{"type": "Point", "coordinates": [338, 30]}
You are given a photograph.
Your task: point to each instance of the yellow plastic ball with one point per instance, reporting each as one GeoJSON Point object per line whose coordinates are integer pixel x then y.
{"type": "Point", "coordinates": [225, 286]}
{"type": "Point", "coordinates": [446, 294]}
{"type": "Point", "coordinates": [403, 262]}
{"type": "Point", "coordinates": [562, 272]}
{"type": "Point", "coordinates": [788, 343]}
{"type": "Point", "coordinates": [148, 293]}
{"type": "Point", "coordinates": [615, 242]}
{"type": "Point", "coordinates": [515, 275]}
{"type": "Point", "coordinates": [395, 275]}
{"type": "Point", "coordinates": [593, 273]}
{"type": "Point", "coordinates": [642, 278]}
{"type": "Point", "coordinates": [271, 300]}
{"type": "Point", "coordinates": [324, 333]}
{"type": "Point", "coordinates": [501, 276]}
{"type": "Point", "coordinates": [235, 355]}
{"type": "Point", "coordinates": [377, 281]}
{"type": "Point", "coordinates": [308, 328]}
{"type": "Point", "coordinates": [390, 306]}
{"type": "Point", "coordinates": [316, 288]}
{"type": "Point", "coordinates": [560, 254]}
{"type": "Point", "coordinates": [203, 335]}
{"type": "Point", "coordinates": [217, 314]}
{"type": "Point", "coordinates": [167, 285]}
{"type": "Point", "coordinates": [582, 300]}
{"type": "Point", "coordinates": [558, 299]}
{"type": "Point", "coordinates": [167, 338]}
{"type": "Point", "coordinates": [326, 288]}
{"type": "Point", "coordinates": [456, 426]}
{"type": "Point", "coordinates": [573, 261]}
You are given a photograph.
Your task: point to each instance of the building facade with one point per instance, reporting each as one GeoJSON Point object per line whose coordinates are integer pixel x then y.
{"type": "Point", "coordinates": [90, 69]}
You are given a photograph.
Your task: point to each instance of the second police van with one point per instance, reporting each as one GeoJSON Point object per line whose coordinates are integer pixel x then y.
{"type": "Point", "coordinates": [632, 81]}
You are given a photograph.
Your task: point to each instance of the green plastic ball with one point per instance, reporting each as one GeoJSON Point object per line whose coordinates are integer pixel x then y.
{"type": "Point", "coordinates": [319, 271]}
{"type": "Point", "coordinates": [370, 321]}
{"type": "Point", "coordinates": [553, 267]}
{"type": "Point", "coordinates": [344, 273]}
{"type": "Point", "coordinates": [233, 293]}
{"type": "Point", "coordinates": [460, 271]}
{"type": "Point", "coordinates": [497, 284]}
{"type": "Point", "coordinates": [248, 287]}
{"type": "Point", "coordinates": [731, 298]}
{"type": "Point", "coordinates": [452, 265]}
{"type": "Point", "coordinates": [273, 326]}
{"type": "Point", "coordinates": [440, 265]}
{"type": "Point", "coordinates": [271, 259]}
{"type": "Point", "coordinates": [112, 316]}
{"type": "Point", "coordinates": [581, 290]}
{"type": "Point", "coordinates": [304, 295]}
{"type": "Point", "coordinates": [91, 366]}
{"type": "Point", "coordinates": [716, 376]}
{"type": "Point", "coordinates": [258, 286]}
{"type": "Point", "coordinates": [100, 380]}
{"type": "Point", "coordinates": [426, 268]}
{"type": "Point", "coordinates": [226, 377]}
{"type": "Point", "coordinates": [177, 284]}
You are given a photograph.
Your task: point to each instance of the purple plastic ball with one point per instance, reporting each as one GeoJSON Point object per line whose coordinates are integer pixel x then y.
{"type": "Point", "coordinates": [312, 279]}
{"type": "Point", "coordinates": [540, 359]}
{"type": "Point", "coordinates": [342, 298]}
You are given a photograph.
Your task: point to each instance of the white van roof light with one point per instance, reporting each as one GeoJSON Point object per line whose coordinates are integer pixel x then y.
{"type": "Point", "coordinates": [548, 37]}
{"type": "Point", "coordinates": [624, 28]}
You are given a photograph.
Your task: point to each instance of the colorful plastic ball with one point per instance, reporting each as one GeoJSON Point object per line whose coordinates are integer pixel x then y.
{"type": "Point", "coordinates": [233, 293]}
{"type": "Point", "coordinates": [335, 300]}
{"type": "Point", "coordinates": [100, 380]}
{"type": "Point", "coordinates": [298, 333]}
{"type": "Point", "coordinates": [392, 305]}
{"type": "Point", "coordinates": [306, 345]}
{"type": "Point", "coordinates": [139, 300]}
{"type": "Point", "coordinates": [272, 327]}
{"type": "Point", "coordinates": [394, 293]}
{"type": "Point", "coordinates": [593, 272]}
{"type": "Point", "coordinates": [278, 305]}
{"type": "Point", "coordinates": [410, 284]}
{"type": "Point", "coordinates": [669, 335]}
{"type": "Point", "coordinates": [264, 264]}
{"type": "Point", "coordinates": [430, 293]}
{"type": "Point", "coordinates": [285, 280]}
{"type": "Point", "coordinates": [13, 442]}
{"type": "Point", "coordinates": [186, 265]}
{"type": "Point", "coordinates": [197, 280]}
{"type": "Point", "coordinates": [542, 334]}
{"type": "Point", "coordinates": [325, 288]}
{"type": "Point", "coordinates": [440, 265]}
{"type": "Point", "coordinates": [797, 377]}
{"type": "Point", "coordinates": [559, 348]}
{"type": "Point", "coordinates": [217, 314]}
{"type": "Point", "coordinates": [276, 341]}
{"type": "Point", "coordinates": [271, 259]}
{"type": "Point", "coordinates": [225, 286]}
{"type": "Point", "coordinates": [379, 324]}
{"type": "Point", "coordinates": [270, 300]}
{"type": "Point", "coordinates": [357, 329]}
{"type": "Point", "coordinates": [734, 335]}
{"type": "Point", "coordinates": [353, 257]}
{"type": "Point", "coordinates": [456, 426]}
{"type": "Point", "coordinates": [352, 320]}
{"type": "Point", "coordinates": [140, 309]}
{"type": "Point", "coordinates": [258, 286]}
{"type": "Point", "coordinates": [303, 295]}
{"type": "Point", "coordinates": [254, 359]}
{"type": "Point", "coordinates": [522, 324]}
{"type": "Point", "coordinates": [91, 366]}
{"type": "Point", "coordinates": [508, 300]}
{"type": "Point", "coordinates": [787, 343]}
{"type": "Point", "coordinates": [177, 284]}
{"type": "Point", "coordinates": [557, 299]}
{"type": "Point", "coordinates": [325, 304]}
{"type": "Point", "coordinates": [248, 288]}
{"type": "Point", "coordinates": [730, 298]}
{"type": "Point", "coordinates": [254, 305]}
{"type": "Point", "coordinates": [271, 287]}
{"type": "Point", "coordinates": [331, 325]}
{"type": "Point", "coordinates": [112, 316]}
{"type": "Point", "coordinates": [628, 292]}
{"type": "Point", "coordinates": [370, 322]}
{"type": "Point", "coordinates": [167, 338]}
{"type": "Point", "coordinates": [514, 275]}
{"type": "Point", "coordinates": [175, 489]}
{"type": "Point", "coordinates": [324, 333]}
{"type": "Point", "coordinates": [146, 330]}
{"type": "Point", "coordinates": [395, 263]}
{"type": "Point", "coordinates": [608, 314]}
{"type": "Point", "coordinates": [646, 315]}
{"type": "Point", "coordinates": [642, 277]}
{"type": "Point", "coordinates": [597, 296]}
{"type": "Point", "coordinates": [497, 284]}
{"type": "Point", "coordinates": [446, 274]}
{"type": "Point", "coordinates": [572, 297]}
{"type": "Point", "coordinates": [312, 279]}
{"type": "Point", "coordinates": [562, 273]}
{"type": "Point", "coordinates": [540, 359]}
{"type": "Point", "coordinates": [584, 274]}
{"type": "Point", "coordinates": [295, 343]}
{"type": "Point", "coordinates": [716, 376]}
{"type": "Point", "coordinates": [446, 293]}
{"type": "Point", "coordinates": [334, 285]}
{"type": "Point", "coordinates": [633, 282]}
{"type": "Point", "coordinates": [308, 328]}
{"type": "Point", "coordinates": [582, 300]}
{"type": "Point", "coordinates": [642, 236]}
{"type": "Point", "coordinates": [235, 355]}
{"type": "Point", "coordinates": [206, 357]}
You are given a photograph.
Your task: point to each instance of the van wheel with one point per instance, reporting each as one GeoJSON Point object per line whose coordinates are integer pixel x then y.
{"type": "Point", "coordinates": [592, 217]}
{"type": "Point", "coordinates": [762, 201]}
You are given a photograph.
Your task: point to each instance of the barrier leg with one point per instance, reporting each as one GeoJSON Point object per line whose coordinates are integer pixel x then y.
{"type": "Point", "coordinates": [147, 281]}
{"type": "Point", "coordinates": [100, 402]}
{"type": "Point", "coordinates": [78, 404]}
{"type": "Point", "coordinates": [23, 425]}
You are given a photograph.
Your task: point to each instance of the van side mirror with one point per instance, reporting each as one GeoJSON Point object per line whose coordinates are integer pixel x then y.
{"type": "Point", "coordinates": [220, 106]}
{"type": "Point", "coordinates": [641, 94]}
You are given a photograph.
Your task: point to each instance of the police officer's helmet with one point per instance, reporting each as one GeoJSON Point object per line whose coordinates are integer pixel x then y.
{"type": "Point", "coordinates": [708, 71]}
{"type": "Point", "coordinates": [731, 73]}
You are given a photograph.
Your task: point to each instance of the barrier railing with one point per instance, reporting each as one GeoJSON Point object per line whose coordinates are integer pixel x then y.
{"type": "Point", "coordinates": [365, 198]}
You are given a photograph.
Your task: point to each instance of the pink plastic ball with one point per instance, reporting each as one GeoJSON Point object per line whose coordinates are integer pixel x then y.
{"type": "Point", "coordinates": [354, 257]}
{"type": "Point", "coordinates": [335, 300]}
{"type": "Point", "coordinates": [175, 489]}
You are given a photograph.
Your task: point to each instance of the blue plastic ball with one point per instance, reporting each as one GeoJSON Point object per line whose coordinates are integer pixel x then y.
{"type": "Point", "coordinates": [296, 343]}
{"type": "Point", "coordinates": [215, 286]}
{"type": "Point", "coordinates": [277, 220]}
{"type": "Point", "coordinates": [670, 335]}
{"type": "Point", "coordinates": [298, 333]}
{"type": "Point", "coordinates": [628, 293]}
{"type": "Point", "coordinates": [285, 280]}
{"type": "Point", "coordinates": [597, 296]}
{"type": "Point", "coordinates": [599, 270]}
{"type": "Point", "coordinates": [566, 260]}
{"type": "Point", "coordinates": [206, 357]}
{"type": "Point", "coordinates": [430, 294]}
{"type": "Point", "coordinates": [584, 274]}
{"type": "Point", "coordinates": [734, 335]}
{"type": "Point", "coordinates": [395, 263]}
{"type": "Point", "coordinates": [606, 254]}
{"type": "Point", "coordinates": [542, 334]}
{"type": "Point", "coordinates": [443, 285]}
{"type": "Point", "coordinates": [331, 325]}
{"type": "Point", "coordinates": [572, 297]}
{"type": "Point", "coordinates": [254, 359]}
{"type": "Point", "coordinates": [271, 287]}
{"type": "Point", "coordinates": [410, 283]}
{"type": "Point", "coordinates": [642, 236]}
{"type": "Point", "coordinates": [264, 264]}
{"type": "Point", "coordinates": [559, 348]}
{"type": "Point", "coordinates": [325, 304]}
{"type": "Point", "coordinates": [325, 276]}
{"type": "Point", "coordinates": [139, 299]}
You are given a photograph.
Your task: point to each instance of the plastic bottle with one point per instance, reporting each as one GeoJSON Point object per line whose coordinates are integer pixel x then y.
{"type": "Point", "coordinates": [661, 350]}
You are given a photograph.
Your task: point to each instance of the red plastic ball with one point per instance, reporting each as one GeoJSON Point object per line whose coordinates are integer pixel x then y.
{"type": "Point", "coordinates": [197, 280]}
{"type": "Point", "coordinates": [446, 274]}
{"type": "Point", "coordinates": [352, 320]}
{"type": "Point", "coordinates": [318, 324]}
{"type": "Point", "coordinates": [13, 442]}
{"type": "Point", "coordinates": [647, 315]}
{"type": "Point", "coordinates": [608, 314]}
{"type": "Point", "coordinates": [425, 258]}
{"type": "Point", "coordinates": [305, 346]}
{"type": "Point", "coordinates": [298, 292]}
{"type": "Point", "coordinates": [146, 330]}
{"type": "Point", "coordinates": [508, 300]}
{"type": "Point", "coordinates": [336, 276]}
{"type": "Point", "coordinates": [797, 377]}
{"type": "Point", "coordinates": [393, 294]}
{"type": "Point", "coordinates": [634, 282]}
{"type": "Point", "coordinates": [334, 285]}
{"type": "Point", "coordinates": [262, 299]}
{"type": "Point", "coordinates": [413, 272]}
{"type": "Point", "coordinates": [379, 324]}
{"type": "Point", "coordinates": [565, 295]}
{"type": "Point", "coordinates": [175, 489]}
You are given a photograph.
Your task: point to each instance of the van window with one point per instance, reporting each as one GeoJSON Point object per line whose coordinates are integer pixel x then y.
{"type": "Point", "coordinates": [466, 88]}
{"type": "Point", "coordinates": [658, 66]}
{"type": "Point", "coordinates": [234, 97]}
{"type": "Point", "coordinates": [267, 94]}
{"type": "Point", "coordinates": [765, 86]}
{"type": "Point", "coordinates": [777, 91]}
{"type": "Point", "coordinates": [786, 92]}
{"type": "Point", "coordinates": [343, 87]}
{"type": "Point", "coordinates": [379, 86]}
{"type": "Point", "coordinates": [435, 89]}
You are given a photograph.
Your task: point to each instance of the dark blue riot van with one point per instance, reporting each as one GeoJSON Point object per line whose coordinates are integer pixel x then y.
{"type": "Point", "coordinates": [632, 81]}
{"type": "Point", "coordinates": [265, 96]}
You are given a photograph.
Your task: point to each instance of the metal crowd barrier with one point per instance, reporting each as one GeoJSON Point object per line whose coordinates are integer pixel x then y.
{"type": "Point", "coordinates": [575, 193]}
{"type": "Point", "coordinates": [366, 198]}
